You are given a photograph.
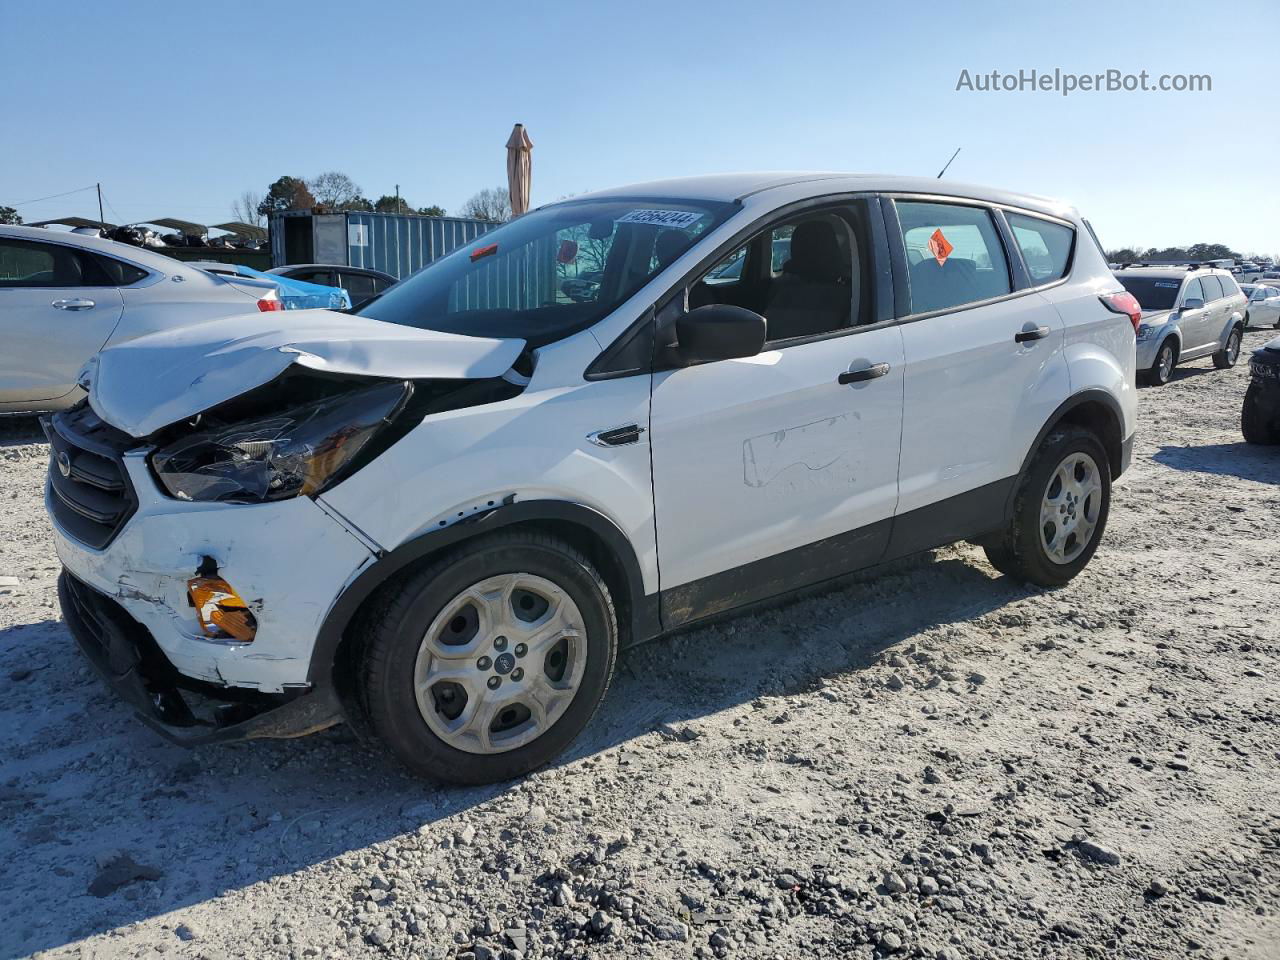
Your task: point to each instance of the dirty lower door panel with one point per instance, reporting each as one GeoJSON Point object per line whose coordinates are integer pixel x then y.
{"type": "Point", "coordinates": [756, 457]}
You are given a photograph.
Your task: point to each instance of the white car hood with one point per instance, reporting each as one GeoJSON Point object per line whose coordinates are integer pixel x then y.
{"type": "Point", "coordinates": [142, 385]}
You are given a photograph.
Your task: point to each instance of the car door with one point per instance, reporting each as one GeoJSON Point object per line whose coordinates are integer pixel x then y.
{"type": "Point", "coordinates": [778, 470]}
{"type": "Point", "coordinates": [985, 370]}
{"type": "Point", "coordinates": [1217, 310]}
{"type": "Point", "coordinates": [1194, 322]}
{"type": "Point", "coordinates": [58, 306]}
{"type": "Point", "coordinates": [1271, 306]}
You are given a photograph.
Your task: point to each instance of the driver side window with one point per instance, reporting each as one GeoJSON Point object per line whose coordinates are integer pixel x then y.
{"type": "Point", "coordinates": [803, 275]}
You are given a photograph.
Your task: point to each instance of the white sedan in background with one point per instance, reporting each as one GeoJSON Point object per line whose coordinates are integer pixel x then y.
{"type": "Point", "coordinates": [1264, 305]}
{"type": "Point", "coordinates": [63, 297]}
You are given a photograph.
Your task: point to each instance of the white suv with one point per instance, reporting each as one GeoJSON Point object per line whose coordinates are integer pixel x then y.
{"type": "Point", "coordinates": [445, 514]}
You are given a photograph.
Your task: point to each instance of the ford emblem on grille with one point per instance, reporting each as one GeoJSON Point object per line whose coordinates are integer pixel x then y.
{"type": "Point", "coordinates": [64, 463]}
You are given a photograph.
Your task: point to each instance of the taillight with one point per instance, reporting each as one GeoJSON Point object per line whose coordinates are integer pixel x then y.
{"type": "Point", "coordinates": [266, 305]}
{"type": "Point", "coordinates": [1125, 303]}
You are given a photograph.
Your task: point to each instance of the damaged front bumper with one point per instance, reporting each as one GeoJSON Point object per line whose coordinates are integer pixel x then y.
{"type": "Point", "coordinates": [183, 710]}
{"type": "Point", "coordinates": [288, 559]}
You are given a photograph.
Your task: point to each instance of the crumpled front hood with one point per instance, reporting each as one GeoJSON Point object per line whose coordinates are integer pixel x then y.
{"type": "Point", "coordinates": [142, 385]}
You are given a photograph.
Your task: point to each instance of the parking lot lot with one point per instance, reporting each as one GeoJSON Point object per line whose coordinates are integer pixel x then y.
{"type": "Point", "coordinates": [935, 763]}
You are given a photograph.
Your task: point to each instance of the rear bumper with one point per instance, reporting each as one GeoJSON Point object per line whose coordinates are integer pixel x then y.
{"type": "Point", "coordinates": [182, 710]}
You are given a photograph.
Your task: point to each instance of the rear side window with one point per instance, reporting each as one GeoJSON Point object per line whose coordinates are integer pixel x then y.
{"type": "Point", "coordinates": [27, 263]}
{"type": "Point", "coordinates": [120, 274]}
{"type": "Point", "coordinates": [1046, 246]}
{"type": "Point", "coordinates": [1212, 288]}
{"type": "Point", "coordinates": [1229, 286]}
{"type": "Point", "coordinates": [359, 285]}
{"type": "Point", "coordinates": [954, 255]}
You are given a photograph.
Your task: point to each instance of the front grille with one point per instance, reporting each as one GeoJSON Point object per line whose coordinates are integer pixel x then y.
{"type": "Point", "coordinates": [91, 495]}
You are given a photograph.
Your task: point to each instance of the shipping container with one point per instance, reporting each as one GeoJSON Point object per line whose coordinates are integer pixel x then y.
{"type": "Point", "coordinates": [397, 244]}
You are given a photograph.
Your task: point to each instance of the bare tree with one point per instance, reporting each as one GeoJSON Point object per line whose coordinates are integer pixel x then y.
{"type": "Point", "coordinates": [493, 203]}
{"type": "Point", "coordinates": [335, 190]}
{"type": "Point", "coordinates": [244, 209]}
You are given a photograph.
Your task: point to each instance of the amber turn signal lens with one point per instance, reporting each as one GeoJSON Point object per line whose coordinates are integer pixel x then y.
{"type": "Point", "coordinates": [223, 615]}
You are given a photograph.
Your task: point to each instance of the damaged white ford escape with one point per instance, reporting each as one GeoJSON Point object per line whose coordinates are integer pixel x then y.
{"type": "Point", "coordinates": [441, 517]}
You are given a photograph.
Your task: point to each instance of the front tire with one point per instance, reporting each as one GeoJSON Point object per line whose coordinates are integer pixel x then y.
{"type": "Point", "coordinates": [1226, 358]}
{"type": "Point", "coordinates": [488, 662]}
{"type": "Point", "coordinates": [1254, 424]}
{"type": "Point", "coordinates": [1059, 511]}
{"type": "Point", "coordinates": [1162, 367]}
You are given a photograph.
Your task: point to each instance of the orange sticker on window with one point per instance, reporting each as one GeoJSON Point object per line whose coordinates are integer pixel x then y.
{"type": "Point", "coordinates": [940, 247]}
{"type": "Point", "coordinates": [481, 252]}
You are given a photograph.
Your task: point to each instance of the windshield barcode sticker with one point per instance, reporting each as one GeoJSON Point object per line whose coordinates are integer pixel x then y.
{"type": "Point", "coordinates": [676, 219]}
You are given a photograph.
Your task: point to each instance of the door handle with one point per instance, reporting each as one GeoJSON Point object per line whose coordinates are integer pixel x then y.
{"type": "Point", "coordinates": [616, 436]}
{"type": "Point", "coordinates": [1029, 332]}
{"type": "Point", "coordinates": [872, 372]}
{"type": "Point", "coordinates": [73, 304]}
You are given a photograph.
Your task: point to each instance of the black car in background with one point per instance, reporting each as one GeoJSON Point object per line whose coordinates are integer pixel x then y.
{"type": "Point", "coordinates": [361, 283]}
{"type": "Point", "coordinates": [1260, 418]}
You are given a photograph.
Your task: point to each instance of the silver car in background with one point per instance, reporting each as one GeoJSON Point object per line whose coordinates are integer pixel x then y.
{"type": "Point", "coordinates": [64, 296]}
{"type": "Point", "coordinates": [1188, 312]}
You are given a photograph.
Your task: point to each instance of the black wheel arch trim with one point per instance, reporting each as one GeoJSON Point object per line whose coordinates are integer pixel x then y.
{"type": "Point", "coordinates": [642, 622]}
{"type": "Point", "coordinates": [1116, 457]}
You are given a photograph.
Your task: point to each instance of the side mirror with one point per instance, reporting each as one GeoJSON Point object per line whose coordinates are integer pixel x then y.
{"type": "Point", "coordinates": [719, 331]}
{"type": "Point", "coordinates": [1192, 303]}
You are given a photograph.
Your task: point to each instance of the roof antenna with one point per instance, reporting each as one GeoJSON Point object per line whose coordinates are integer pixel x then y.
{"type": "Point", "coordinates": [944, 169]}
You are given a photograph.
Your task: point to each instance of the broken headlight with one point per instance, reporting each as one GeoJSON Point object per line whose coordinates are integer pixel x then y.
{"type": "Point", "coordinates": [293, 453]}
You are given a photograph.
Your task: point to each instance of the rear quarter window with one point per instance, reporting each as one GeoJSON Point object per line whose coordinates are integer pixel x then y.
{"type": "Point", "coordinates": [120, 273]}
{"type": "Point", "coordinates": [1046, 246]}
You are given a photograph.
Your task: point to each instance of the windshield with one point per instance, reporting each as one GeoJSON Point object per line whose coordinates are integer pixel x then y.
{"type": "Point", "coordinates": [552, 272]}
{"type": "Point", "coordinates": [1153, 293]}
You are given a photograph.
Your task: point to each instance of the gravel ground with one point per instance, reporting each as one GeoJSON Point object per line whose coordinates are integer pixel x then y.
{"type": "Point", "coordinates": [934, 763]}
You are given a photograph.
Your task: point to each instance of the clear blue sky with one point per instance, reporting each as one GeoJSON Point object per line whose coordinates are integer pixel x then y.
{"type": "Point", "coordinates": [178, 108]}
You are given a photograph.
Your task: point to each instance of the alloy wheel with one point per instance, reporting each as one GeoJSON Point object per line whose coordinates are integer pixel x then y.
{"type": "Point", "coordinates": [500, 663]}
{"type": "Point", "coordinates": [1070, 507]}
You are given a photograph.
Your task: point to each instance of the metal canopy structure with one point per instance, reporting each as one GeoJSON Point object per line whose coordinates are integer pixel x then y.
{"type": "Point", "coordinates": [74, 222]}
{"type": "Point", "coordinates": [242, 229]}
{"type": "Point", "coordinates": [182, 226]}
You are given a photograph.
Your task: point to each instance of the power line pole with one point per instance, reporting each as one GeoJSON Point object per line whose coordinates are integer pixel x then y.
{"type": "Point", "coordinates": [398, 210]}
{"type": "Point", "coordinates": [102, 221]}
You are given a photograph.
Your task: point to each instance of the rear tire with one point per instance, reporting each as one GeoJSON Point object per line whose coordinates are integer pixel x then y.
{"type": "Point", "coordinates": [1226, 358]}
{"type": "Point", "coordinates": [1064, 494]}
{"type": "Point", "coordinates": [1162, 367]}
{"type": "Point", "coordinates": [519, 633]}
{"type": "Point", "coordinates": [1254, 423]}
